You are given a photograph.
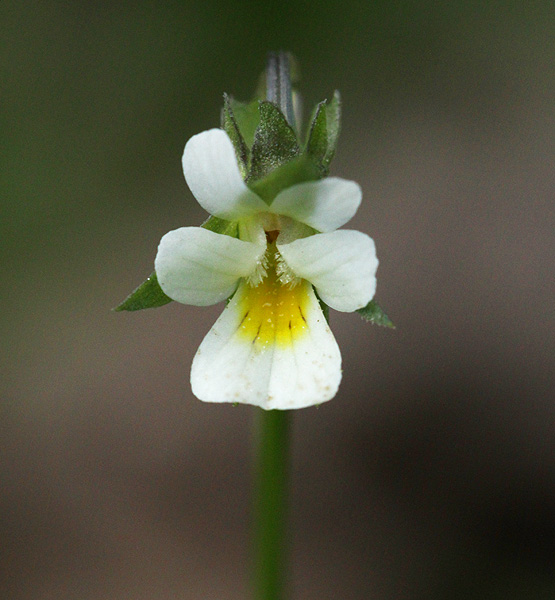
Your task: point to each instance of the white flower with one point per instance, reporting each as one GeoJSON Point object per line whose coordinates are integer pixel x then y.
{"type": "Point", "coordinates": [271, 346]}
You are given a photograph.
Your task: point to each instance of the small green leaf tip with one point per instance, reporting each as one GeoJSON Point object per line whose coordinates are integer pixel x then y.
{"type": "Point", "coordinates": [324, 133]}
{"type": "Point", "coordinates": [148, 295]}
{"type": "Point", "coordinates": [247, 117]}
{"type": "Point", "coordinates": [221, 226]}
{"type": "Point", "coordinates": [231, 127]}
{"type": "Point", "coordinates": [373, 313]}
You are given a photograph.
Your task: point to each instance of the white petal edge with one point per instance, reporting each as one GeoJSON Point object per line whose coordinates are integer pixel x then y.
{"type": "Point", "coordinates": [199, 267]}
{"type": "Point", "coordinates": [228, 367]}
{"type": "Point", "coordinates": [341, 265]}
{"type": "Point", "coordinates": [325, 205]}
{"type": "Point", "coordinates": [212, 174]}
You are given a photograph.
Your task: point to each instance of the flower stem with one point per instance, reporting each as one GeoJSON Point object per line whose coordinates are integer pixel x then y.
{"type": "Point", "coordinates": [270, 504]}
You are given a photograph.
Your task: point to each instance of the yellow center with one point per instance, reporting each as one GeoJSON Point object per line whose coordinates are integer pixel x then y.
{"type": "Point", "coordinates": [272, 312]}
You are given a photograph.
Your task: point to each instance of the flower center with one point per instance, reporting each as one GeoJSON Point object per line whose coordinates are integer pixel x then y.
{"type": "Point", "coordinates": [271, 311]}
{"type": "Point", "coordinates": [272, 264]}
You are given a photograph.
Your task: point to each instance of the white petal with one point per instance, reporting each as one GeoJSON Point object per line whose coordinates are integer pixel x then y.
{"type": "Point", "coordinates": [211, 171]}
{"type": "Point", "coordinates": [261, 352]}
{"type": "Point", "coordinates": [200, 267]}
{"type": "Point", "coordinates": [341, 265]}
{"type": "Point", "coordinates": [325, 205]}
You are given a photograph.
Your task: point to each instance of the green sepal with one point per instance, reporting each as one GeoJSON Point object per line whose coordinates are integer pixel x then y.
{"type": "Point", "coordinates": [148, 295]}
{"type": "Point", "coordinates": [221, 226]}
{"type": "Point", "coordinates": [247, 117]}
{"type": "Point", "coordinates": [275, 142]}
{"type": "Point", "coordinates": [317, 144]}
{"type": "Point", "coordinates": [324, 132]}
{"type": "Point", "coordinates": [373, 313]}
{"type": "Point", "coordinates": [230, 126]}
{"type": "Point", "coordinates": [333, 118]}
{"type": "Point", "coordinates": [298, 170]}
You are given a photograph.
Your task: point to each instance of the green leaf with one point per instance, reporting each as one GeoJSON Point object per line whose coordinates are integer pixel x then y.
{"type": "Point", "coordinates": [247, 117]}
{"type": "Point", "coordinates": [373, 312]}
{"type": "Point", "coordinates": [298, 170]}
{"type": "Point", "coordinates": [230, 126]}
{"type": "Point", "coordinates": [333, 121]}
{"type": "Point", "coordinates": [317, 144]}
{"type": "Point", "coordinates": [275, 142]}
{"type": "Point", "coordinates": [148, 295]}
{"type": "Point", "coordinates": [324, 133]}
{"type": "Point", "coordinates": [222, 226]}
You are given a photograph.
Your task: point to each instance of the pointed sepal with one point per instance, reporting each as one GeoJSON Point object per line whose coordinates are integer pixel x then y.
{"type": "Point", "coordinates": [324, 133]}
{"type": "Point", "coordinates": [247, 117]}
{"type": "Point", "coordinates": [221, 226]}
{"type": "Point", "coordinates": [373, 313]}
{"type": "Point", "coordinates": [148, 295]}
{"type": "Point", "coordinates": [231, 127]}
{"type": "Point", "coordinates": [275, 142]}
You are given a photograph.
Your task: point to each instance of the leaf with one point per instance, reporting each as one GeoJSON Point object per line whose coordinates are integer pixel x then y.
{"type": "Point", "coordinates": [373, 312]}
{"type": "Point", "coordinates": [275, 142]}
{"type": "Point", "coordinates": [333, 121]}
{"type": "Point", "coordinates": [298, 170]}
{"type": "Point", "coordinates": [317, 144]}
{"type": "Point", "coordinates": [230, 126]}
{"type": "Point", "coordinates": [324, 133]}
{"type": "Point", "coordinates": [247, 117]}
{"type": "Point", "coordinates": [148, 295]}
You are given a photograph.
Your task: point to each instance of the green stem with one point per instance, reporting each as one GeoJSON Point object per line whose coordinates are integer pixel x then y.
{"type": "Point", "coordinates": [270, 504]}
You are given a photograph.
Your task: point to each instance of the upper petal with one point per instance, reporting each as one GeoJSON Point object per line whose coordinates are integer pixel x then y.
{"type": "Point", "coordinates": [211, 171]}
{"type": "Point", "coordinates": [325, 205]}
{"type": "Point", "coordinates": [341, 265]}
{"type": "Point", "coordinates": [271, 347]}
{"type": "Point", "coordinates": [200, 267]}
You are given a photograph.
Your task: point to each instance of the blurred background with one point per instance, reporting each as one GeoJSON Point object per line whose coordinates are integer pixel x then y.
{"type": "Point", "coordinates": [432, 473]}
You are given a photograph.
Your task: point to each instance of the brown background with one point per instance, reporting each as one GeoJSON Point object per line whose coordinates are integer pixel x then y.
{"type": "Point", "coordinates": [432, 473]}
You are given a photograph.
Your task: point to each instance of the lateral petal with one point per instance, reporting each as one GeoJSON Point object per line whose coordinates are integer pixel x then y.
{"type": "Point", "coordinates": [341, 265]}
{"type": "Point", "coordinates": [200, 267]}
{"type": "Point", "coordinates": [212, 174]}
{"type": "Point", "coordinates": [325, 205]}
{"type": "Point", "coordinates": [271, 347]}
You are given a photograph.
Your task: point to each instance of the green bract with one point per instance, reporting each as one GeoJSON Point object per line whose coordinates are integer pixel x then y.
{"type": "Point", "coordinates": [148, 295]}
{"type": "Point", "coordinates": [375, 315]}
{"type": "Point", "coordinates": [324, 133]}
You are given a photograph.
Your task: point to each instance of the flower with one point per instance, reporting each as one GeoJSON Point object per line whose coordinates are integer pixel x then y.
{"type": "Point", "coordinates": [271, 346]}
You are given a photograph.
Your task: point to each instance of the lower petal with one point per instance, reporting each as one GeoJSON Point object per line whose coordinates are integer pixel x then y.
{"type": "Point", "coordinates": [271, 347]}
